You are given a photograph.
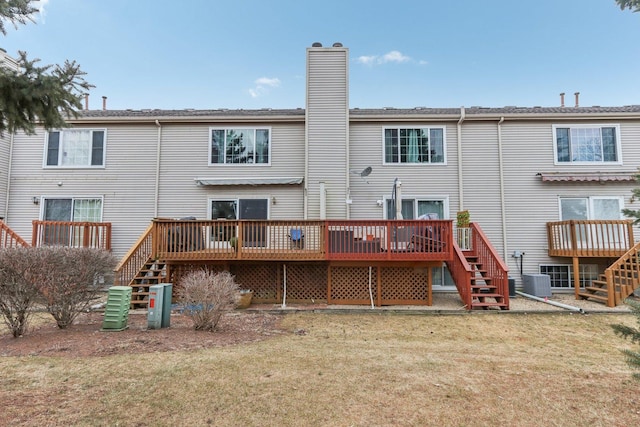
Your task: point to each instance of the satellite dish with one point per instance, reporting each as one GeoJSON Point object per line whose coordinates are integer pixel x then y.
{"type": "Point", "coordinates": [364, 173]}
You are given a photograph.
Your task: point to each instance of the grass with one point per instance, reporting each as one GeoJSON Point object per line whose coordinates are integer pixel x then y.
{"type": "Point", "coordinates": [349, 370]}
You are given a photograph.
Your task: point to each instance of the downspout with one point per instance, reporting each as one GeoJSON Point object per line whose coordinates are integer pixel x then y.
{"type": "Point", "coordinates": [6, 206]}
{"type": "Point", "coordinates": [548, 301]}
{"type": "Point", "coordinates": [460, 175]}
{"type": "Point", "coordinates": [157, 189]}
{"type": "Point", "coordinates": [503, 210]}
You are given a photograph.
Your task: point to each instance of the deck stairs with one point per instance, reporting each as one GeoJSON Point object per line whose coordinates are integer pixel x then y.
{"type": "Point", "coordinates": [153, 272]}
{"type": "Point", "coordinates": [619, 281]}
{"type": "Point", "coordinates": [484, 293]}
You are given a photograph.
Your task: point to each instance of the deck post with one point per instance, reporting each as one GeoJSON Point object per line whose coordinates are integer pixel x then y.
{"type": "Point", "coordinates": [576, 276]}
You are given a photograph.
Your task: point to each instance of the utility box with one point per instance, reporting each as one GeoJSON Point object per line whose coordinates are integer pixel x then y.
{"type": "Point", "coordinates": [155, 306]}
{"type": "Point", "coordinates": [159, 307]}
{"type": "Point", "coordinates": [512, 287]}
{"type": "Point", "coordinates": [166, 305]}
{"type": "Point", "coordinates": [538, 285]}
{"type": "Point", "coordinates": [116, 313]}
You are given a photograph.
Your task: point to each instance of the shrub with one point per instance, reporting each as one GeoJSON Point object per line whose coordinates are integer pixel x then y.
{"type": "Point", "coordinates": [18, 291]}
{"type": "Point", "coordinates": [633, 357]}
{"type": "Point", "coordinates": [71, 279]}
{"type": "Point", "coordinates": [206, 296]}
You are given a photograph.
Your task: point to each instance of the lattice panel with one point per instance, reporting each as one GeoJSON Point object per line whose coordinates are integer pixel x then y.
{"type": "Point", "coordinates": [262, 279]}
{"type": "Point", "coordinates": [177, 271]}
{"type": "Point", "coordinates": [350, 285]}
{"type": "Point", "coordinates": [306, 282]}
{"type": "Point", "coordinates": [402, 285]}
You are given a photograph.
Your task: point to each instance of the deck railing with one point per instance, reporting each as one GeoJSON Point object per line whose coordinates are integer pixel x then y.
{"type": "Point", "coordinates": [72, 234]}
{"type": "Point", "coordinates": [590, 238]}
{"type": "Point", "coordinates": [135, 259]}
{"type": "Point", "coordinates": [461, 274]}
{"type": "Point", "coordinates": [349, 240]}
{"type": "Point", "coordinates": [9, 238]}
{"type": "Point", "coordinates": [492, 263]}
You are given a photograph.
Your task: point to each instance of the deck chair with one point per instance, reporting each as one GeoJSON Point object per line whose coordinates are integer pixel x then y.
{"type": "Point", "coordinates": [296, 238]}
{"type": "Point", "coordinates": [425, 239]}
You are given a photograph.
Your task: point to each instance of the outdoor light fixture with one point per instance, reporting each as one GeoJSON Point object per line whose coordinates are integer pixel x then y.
{"type": "Point", "coordinates": [35, 200]}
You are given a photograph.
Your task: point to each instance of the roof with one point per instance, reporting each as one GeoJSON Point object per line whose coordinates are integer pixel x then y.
{"type": "Point", "coordinates": [363, 114]}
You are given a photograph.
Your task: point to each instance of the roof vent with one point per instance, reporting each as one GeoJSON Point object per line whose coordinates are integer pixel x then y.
{"type": "Point", "coordinates": [316, 44]}
{"type": "Point", "coordinates": [337, 44]}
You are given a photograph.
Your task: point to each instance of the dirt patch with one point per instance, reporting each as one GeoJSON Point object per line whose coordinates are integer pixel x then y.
{"type": "Point", "coordinates": [84, 338]}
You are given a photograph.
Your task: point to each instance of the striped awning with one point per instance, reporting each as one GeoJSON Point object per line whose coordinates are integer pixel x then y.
{"type": "Point", "coordinates": [248, 181]}
{"type": "Point", "coordinates": [588, 177]}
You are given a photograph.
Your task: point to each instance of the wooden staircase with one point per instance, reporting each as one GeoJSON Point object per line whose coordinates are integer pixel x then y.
{"type": "Point", "coordinates": [618, 282]}
{"type": "Point", "coordinates": [152, 273]}
{"type": "Point", "coordinates": [484, 293]}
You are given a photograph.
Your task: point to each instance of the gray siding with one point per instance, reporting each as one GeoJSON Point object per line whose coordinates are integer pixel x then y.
{"type": "Point", "coordinates": [327, 127]}
{"type": "Point", "coordinates": [5, 149]}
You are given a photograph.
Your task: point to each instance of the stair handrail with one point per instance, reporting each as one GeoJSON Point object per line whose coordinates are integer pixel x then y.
{"type": "Point", "coordinates": [614, 269]}
{"type": "Point", "coordinates": [461, 273]}
{"type": "Point", "coordinates": [9, 238]}
{"type": "Point", "coordinates": [135, 258]}
{"type": "Point", "coordinates": [492, 262]}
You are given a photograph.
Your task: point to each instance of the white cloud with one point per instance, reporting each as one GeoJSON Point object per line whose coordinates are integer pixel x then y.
{"type": "Point", "coordinates": [395, 56]}
{"type": "Point", "coordinates": [262, 86]}
{"type": "Point", "coordinates": [392, 56]}
{"type": "Point", "coordinates": [40, 5]}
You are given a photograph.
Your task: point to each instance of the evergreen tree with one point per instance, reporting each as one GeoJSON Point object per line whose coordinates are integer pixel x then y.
{"type": "Point", "coordinates": [633, 213]}
{"type": "Point", "coordinates": [633, 5]}
{"type": "Point", "coordinates": [33, 93]}
{"type": "Point", "coordinates": [633, 357]}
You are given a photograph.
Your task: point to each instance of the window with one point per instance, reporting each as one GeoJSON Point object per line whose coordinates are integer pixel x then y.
{"type": "Point", "coordinates": [414, 145]}
{"type": "Point", "coordinates": [562, 275]}
{"type": "Point", "coordinates": [412, 208]}
{"type": "Point", "coordinates": [590, 208]}
{"type": "Point", "coordinates": [69, 210]}
{"type": "Point", "coordinates": [75, 148]}
{"type": "Point", "coordinates": [239, 146]}
{"type": "Point", "coordinates": [254, 235]}
{"type": "Point", "coordinates": [587, 144]}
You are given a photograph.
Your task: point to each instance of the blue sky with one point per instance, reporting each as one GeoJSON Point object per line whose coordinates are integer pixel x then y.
{"type": "Point", "coordinates": [404, 53]}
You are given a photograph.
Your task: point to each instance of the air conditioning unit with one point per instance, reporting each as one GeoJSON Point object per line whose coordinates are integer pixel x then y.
{"type": "Point", "coordinates": [538, 285]}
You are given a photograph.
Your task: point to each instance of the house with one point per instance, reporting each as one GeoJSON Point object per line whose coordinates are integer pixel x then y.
{"type": "Point", "coordinates": [544, 184]}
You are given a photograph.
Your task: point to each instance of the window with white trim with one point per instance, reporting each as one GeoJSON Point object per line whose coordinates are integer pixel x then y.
{"type": "Point", "coordinates": [414, 208]}
{"type": "Point", "coordinates": [75, 148]}
{"type": "Point", "coordinates": [69, 210]}
{"type": "Point", "coordinates": [240, 146]}
{"type": "Point", "coordinates": [255, 235]}
{"type": "Point", "coordinates": [587, 144]}
{"type": "Point", "coordinates": [414, 145]}
{"type": "Point", "coordinates": [561, 275]}
{"type": "Point", "coordinates": [594, 207]}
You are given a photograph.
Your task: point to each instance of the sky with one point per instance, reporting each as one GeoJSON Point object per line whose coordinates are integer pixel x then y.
{"type": "Point", "coordinates": [250, 54]}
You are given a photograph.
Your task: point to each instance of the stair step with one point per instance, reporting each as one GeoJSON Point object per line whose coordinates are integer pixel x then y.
{"type": "Point", "coordinates": [593, 296]}
{"type": "Point", "coordinates": [591, 290]}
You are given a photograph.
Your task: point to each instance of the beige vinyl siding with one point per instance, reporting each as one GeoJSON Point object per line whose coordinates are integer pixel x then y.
{"type": "Point", "coordinates": [327, 128]}
{"type": "Point", "coordinates": [126, 184]}
{"type": "Point", "coordinates": [528, 148]}
{"type": "Point", "coordinates": [185, 151]}
{"type": "Point", "coordinates": [5, 149]}
{"type": "Point", "coordinates": [418, 180]}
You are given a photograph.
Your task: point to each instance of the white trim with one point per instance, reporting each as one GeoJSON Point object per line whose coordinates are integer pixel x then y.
{"type": "Point", "coordinates": [414, 126]}
{"type": "Point", "coordinates": [422, 198]}
{"type": "Point", "coordinates": [240, 126]}
{"type": "Point", "coordinates": [586, 126]}
{"type": "Point", "coordinates": [73, 199]}
{"type": "Point", "coordinates": [62, 132]}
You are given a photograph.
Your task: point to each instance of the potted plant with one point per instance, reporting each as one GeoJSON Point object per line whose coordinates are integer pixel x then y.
{"type": "Point", "coordinates": [233, 242]}
{"type": "Point", "coordinates": [244, 298]}
{"type": "Point", "coordinates": [463, 220]}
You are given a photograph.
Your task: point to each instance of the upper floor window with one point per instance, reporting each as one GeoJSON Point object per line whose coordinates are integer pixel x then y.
{"type": "Point", "coordinates": [414, 145]}
{"type": "Point", "coordinates": [75, 148]}
{"type": "Point", "coordinates": [240, 146]}
{"type": "Point", "coordinates": [587, 144]}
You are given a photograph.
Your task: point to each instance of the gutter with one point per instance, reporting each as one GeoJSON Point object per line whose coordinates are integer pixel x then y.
{"type": "Point", "coordinates": [503, 210]}
{"type": "Point", "coordinates": [460, 175]}
{"type": "Point", "coordinates": [555, 303]}
{"type": "Point", "coordinates": [157, 189]}
{"type": "Point", "coordinates": [6, 206]}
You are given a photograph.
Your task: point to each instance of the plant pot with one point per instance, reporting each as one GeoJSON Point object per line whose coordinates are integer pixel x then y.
{"type": "Point", "coordinates": [244, 300]}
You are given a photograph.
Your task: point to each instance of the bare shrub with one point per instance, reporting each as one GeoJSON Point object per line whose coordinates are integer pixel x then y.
{"type": "Point", "coordinates": [71, 279]}
{"type": "Point", "coordinates": [17, 291]}
{"type": "Point", "coordinates": [206, 296]}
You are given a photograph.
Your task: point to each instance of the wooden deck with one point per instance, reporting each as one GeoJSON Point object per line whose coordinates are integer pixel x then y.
{"type": "Point", "coordinates": [588, 239]}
